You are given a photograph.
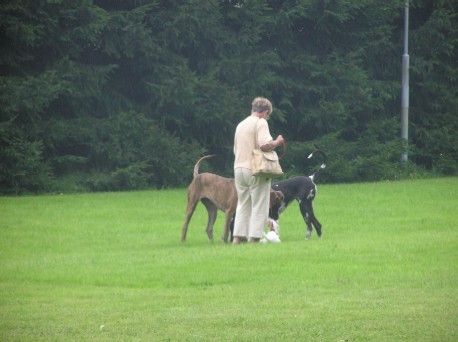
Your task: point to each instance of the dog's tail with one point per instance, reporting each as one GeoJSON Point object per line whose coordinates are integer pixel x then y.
{"type": "Point", "coordinates": [323, 164]}
{"type": "Point", "coordinates": [196, 167]}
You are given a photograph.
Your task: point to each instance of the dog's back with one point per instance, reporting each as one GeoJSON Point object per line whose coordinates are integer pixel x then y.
{"type": "Point", "coordinates": [295, 188]}
{"type": "Point", "coordinates": [206, 185]}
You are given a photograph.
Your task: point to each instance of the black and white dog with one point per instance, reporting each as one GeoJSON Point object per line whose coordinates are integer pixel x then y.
{"type": "Point", "coordinates": [303, 190]}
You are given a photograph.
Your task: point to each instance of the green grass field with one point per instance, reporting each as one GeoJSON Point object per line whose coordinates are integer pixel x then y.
{"type": "Point", "coordinates": [111, 267]}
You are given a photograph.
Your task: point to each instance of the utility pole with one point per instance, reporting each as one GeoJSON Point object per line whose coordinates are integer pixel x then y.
{"type": "Point", "coordinates": [405, 85]}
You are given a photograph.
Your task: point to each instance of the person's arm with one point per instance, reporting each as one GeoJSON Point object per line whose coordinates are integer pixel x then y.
{"type": "Point", "coordinates": [273, 144]}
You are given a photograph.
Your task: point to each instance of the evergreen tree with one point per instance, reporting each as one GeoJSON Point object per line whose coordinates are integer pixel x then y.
{"type": "Point", "coordinates": [127, 94]}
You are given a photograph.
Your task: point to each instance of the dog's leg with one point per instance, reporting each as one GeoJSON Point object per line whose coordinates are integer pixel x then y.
{"type": "Point", "coordinates": [232, 228]}
{"type": "Point", "coordinates": [315, 222]}
{"type": "Point", "coordinates": [309, 218]}
{"type": "Point", "coordinates": [229, 225]}
{"type": "Point", "coordinates": [306, 217]}
{"type": "Point", "coordinates": [212, 212]}
{"type": "Point", "coordinates": [192, 204]}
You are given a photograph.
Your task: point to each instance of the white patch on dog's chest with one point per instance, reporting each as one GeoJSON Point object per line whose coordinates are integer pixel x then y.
{"type": "Point", "coordinates": [282, 207]}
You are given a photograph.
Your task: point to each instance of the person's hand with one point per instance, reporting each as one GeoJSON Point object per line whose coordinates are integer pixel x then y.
{"type": "Point", "coordinates": [280, 140]}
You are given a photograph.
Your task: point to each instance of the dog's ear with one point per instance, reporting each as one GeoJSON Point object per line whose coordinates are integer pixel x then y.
{"type": "Point", "coordinates": [275, 197]}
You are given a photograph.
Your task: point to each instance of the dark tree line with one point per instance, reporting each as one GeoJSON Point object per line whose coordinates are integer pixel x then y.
{"type": "Point", "coordinates": [128, 94]}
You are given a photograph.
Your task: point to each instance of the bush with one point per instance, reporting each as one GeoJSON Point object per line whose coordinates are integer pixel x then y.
{"type": "Point", "coordinates": [22, 169]}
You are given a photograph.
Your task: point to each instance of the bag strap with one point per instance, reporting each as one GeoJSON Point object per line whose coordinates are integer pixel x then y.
{"type": "Point", "coordinates": [259, 147]}
{"type": "Point", "coordinates": [284, 150]}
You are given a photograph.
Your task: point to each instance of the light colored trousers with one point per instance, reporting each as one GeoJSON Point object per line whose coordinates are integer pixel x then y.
{"type": "Point", "coordinates": [253, 204]}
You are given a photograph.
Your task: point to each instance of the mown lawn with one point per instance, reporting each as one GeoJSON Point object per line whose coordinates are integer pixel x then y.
{"type": "Point", "coordinates": [110, 266]}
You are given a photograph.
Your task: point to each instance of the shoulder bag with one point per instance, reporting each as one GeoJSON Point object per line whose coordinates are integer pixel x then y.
{"type": "Point", "coordinates": [266, 164]}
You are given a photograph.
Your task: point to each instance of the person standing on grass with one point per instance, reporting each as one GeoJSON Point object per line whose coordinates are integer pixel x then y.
{"type": "Point", "coordinates": [252, 191]}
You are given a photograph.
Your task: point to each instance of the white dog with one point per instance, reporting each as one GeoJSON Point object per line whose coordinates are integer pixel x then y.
{"type": "Point", "coordinates": [273, 235]}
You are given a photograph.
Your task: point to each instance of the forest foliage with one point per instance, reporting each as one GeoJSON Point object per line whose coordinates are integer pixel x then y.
{"type": "Point", "coordinates": [108, 95]}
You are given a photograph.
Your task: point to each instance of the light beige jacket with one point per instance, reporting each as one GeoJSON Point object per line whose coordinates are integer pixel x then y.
{"type": "Point", "coordinates": [244, 139]}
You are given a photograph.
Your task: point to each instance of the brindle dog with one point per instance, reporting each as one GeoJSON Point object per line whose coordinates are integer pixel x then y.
{"type": "Point", "coordinates": [215, 192]}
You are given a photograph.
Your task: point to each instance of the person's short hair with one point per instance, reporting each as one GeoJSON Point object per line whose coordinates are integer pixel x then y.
{"type": "Point", "coordinates": [261, 104]}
